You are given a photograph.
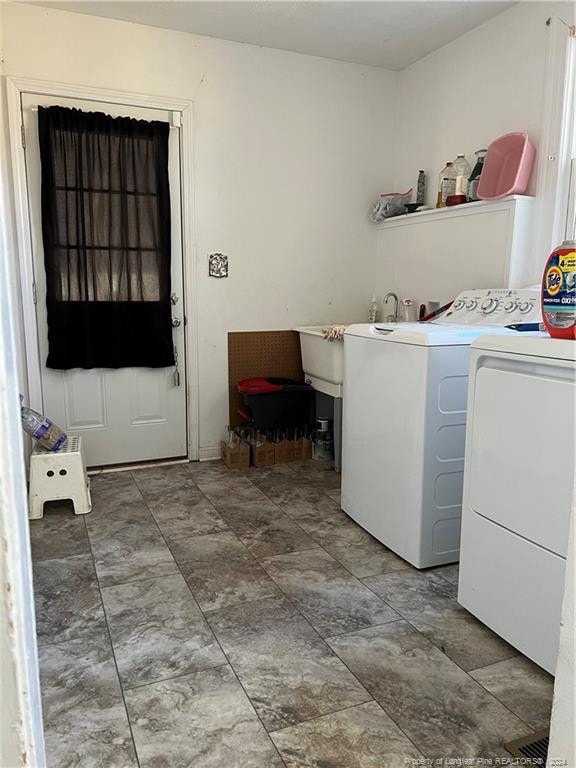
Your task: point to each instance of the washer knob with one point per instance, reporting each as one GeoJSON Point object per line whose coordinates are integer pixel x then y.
{"type": "Point", "coordinates": [488, 305]}
{"type": "Point", "coordinates": [525, 306]}
{"type": "Point", "coordinates": [471, 304]}
{"type": "Point", "coordinates": [458, 304]}
{"type": "Point", "coordinates": [510, 306]}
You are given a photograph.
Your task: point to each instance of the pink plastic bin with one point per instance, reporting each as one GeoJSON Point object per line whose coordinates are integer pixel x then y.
{"type": "Point", "coordinates": [507, 167]}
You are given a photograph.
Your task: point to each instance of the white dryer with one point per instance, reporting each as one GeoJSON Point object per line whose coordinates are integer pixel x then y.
{"type": "Point", "coordinates": [518, 489]}
{"type": "Point", "coordinates": [404, 421]}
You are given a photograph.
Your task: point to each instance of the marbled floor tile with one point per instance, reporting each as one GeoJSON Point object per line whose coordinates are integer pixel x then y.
{"type": "Point", "coordinates": [67, 599]}
{"type": "Point", "coordinates": [220, 571]}
{"type": "Point", "coordinates": [331, 598]}
{"type": "Point", "coordinates": [335, 495]}
{"type": "Point", "coordinates": [359, 737]}
{"type": "Point", "coordinates": [85, 722]}
{"type": "Point", "coordinates": [365, 556]}
{"type": "Point", "coordinates": [326, 523]}
{"type": "Point", "coordinates": [287, 670]}
{"type": "Point", "coordinates": [60, 533]}
{"type": "Point", "coordinates": [428, 601]}
{"type": "Point", "coordinates": [211, 471]}
{"type": "Point", "coordinates": [184, 512]}
{"type": "Point", "coordinates": [237, 490]}
{"type": "Point", "coordinates": [264, 529]}
{"type": "Point", "coordinates": [155, 481]}
{"type": "Point", "coordinates": [290, 493]}
{"type": "Point", "coordinates": [113, 491]}
{"type": "Point", "coordinates": [327, 480]}
{"type": "Point", "coordinates": [128, 550]}
{"type": "Point", "coordinates": [280, 472]}
{"type": "Point", "coordinates": [312, 464]}
{"type": "Point", "coordinates": [201, 720]}
{"type": "Point", "coordinates": [158, 631]}
{"type": "Point", "coordinates": [316, 468]}
{"type": "Point", "coordinates": [522, 686]}
{"type": "Point", "coordinates": [306, 505]}
{"type": "Point", "coordinates": [448, 572]}
{"type": "Point", "coordinates": [439, 707]}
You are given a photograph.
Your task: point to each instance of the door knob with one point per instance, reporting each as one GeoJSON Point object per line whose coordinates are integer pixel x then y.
{"type": "Point", "coordinates": [176, 322]}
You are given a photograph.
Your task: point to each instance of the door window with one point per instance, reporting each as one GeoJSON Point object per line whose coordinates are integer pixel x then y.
{"type": "Point", "coordinates": [106, 236]}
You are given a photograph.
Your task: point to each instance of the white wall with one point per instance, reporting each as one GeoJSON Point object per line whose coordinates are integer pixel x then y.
{"type": "Point", "coordinates": [484, 84]}
{"type": "Point", "coordinates": [457, 99]}
{"type": "Point", "coordinates": [284, 159]}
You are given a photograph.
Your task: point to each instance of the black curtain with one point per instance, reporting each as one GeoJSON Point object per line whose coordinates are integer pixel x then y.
{"type": "Point", "coordinates": [106, 233]}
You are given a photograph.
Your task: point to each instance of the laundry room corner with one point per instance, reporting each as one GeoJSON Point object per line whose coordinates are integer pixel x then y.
{"type": "Point", "coordinates": [287, 383]}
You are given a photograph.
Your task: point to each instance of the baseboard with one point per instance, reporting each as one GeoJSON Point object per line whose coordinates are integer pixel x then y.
{"type": "Point", "coordinates": [209, 453]}
{"type": "Point", "coordinates": [136, 465]}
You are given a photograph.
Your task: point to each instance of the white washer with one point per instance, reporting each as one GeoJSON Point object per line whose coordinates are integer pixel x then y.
{"type": "Point", "coordinates": [404, 423]}
{"type": "Point", "coordinates": [518, 489]}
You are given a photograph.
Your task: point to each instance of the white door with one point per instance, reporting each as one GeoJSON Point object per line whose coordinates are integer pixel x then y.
{"type": "Point", "coordinates": [128, 414]}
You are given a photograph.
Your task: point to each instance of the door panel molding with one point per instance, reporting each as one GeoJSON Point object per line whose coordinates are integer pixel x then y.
{"type": "Point", "coordinates": [183, 113]}
{"type": "Point", "coordinates": [71, 394]}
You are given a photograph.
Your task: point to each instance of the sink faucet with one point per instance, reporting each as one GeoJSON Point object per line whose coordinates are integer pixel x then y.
{"type": "Point", "coordinates": [390, 295]}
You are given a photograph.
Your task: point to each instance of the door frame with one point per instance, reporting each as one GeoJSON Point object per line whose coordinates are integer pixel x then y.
{"type": "Point", "coordinates": [182, 117]}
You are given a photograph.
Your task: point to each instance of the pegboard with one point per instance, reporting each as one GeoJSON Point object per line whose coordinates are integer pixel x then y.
{"type": "Point", "coordinates": [260, 353]}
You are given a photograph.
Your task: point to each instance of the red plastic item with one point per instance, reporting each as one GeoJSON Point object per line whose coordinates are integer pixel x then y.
{"type": "Point", "coordinates": [258, 386]}
{"type": "Point", "coordinates": [507, 167]}
{"type": "Point", "coordinates": [455, 200]}
{"type": "Point", "coordinates": [436, 312]}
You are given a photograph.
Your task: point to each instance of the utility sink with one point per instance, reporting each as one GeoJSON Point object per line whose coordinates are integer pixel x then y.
{"type": "Point", "coordinates": [322, 360]}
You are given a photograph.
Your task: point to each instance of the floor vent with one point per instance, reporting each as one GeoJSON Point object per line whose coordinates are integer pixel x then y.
{"type": "Point", "coordinates": [534, 747]}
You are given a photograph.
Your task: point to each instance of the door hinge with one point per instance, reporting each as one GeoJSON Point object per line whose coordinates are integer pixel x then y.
{"type": "Point", "coordinates": [23, 135]}
{"type": "Point", "coordinates": [34, 292]}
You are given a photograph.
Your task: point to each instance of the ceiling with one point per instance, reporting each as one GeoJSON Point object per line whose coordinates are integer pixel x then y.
{"type": "Point", "coordinates": [385, 33]}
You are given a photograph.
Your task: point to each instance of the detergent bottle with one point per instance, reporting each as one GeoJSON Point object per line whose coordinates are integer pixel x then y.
{"type": "Point", "coordinates": [559, 292]}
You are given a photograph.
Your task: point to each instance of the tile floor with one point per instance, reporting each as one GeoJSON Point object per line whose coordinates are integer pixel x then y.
{"type": "Point", "coordinates": [204, 618]}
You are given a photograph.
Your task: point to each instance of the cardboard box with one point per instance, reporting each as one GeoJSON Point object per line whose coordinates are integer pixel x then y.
{"type": "Point", "coordinates": [236, 456]}
{"type": "Point", "coordinates": [302, 449]}
{"type": "Point", "coordinates": [283, 451]}
{"type": "Point", "coordinates": [262, 455]}
{"type": "Point", "coordinates": [280, 452]}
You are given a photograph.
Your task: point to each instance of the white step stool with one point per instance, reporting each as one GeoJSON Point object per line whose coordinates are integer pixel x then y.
{"type": "Point", "coordinates": [58, 475]}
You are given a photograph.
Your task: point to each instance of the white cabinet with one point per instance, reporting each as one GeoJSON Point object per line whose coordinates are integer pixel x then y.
{"type": "Point", "coordinates": [434, 255]}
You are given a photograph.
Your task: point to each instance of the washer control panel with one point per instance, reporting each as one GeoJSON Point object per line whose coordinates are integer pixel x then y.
{"type": "Point", "coordinates": [494, 306]}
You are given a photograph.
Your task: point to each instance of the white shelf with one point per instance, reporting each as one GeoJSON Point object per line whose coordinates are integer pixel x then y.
{"type": "Point", "coordinates": [436, 254]}
{"type": "Point", "coordinates": [450, 212]}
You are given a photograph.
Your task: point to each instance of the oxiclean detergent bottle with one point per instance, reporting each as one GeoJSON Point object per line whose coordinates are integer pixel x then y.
{"type": "Point", "coordinates": [559, 292]}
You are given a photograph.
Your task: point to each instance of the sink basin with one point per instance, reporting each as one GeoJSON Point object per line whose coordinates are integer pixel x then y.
{"type": "Point", "coordinates": [322, 360]}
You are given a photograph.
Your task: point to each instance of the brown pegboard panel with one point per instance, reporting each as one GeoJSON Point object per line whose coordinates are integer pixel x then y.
{"type": "Point", "coordinates": [260, 353]}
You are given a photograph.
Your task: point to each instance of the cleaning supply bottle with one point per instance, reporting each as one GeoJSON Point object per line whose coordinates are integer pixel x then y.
{"type": "Point", "coordinates": [373, 310]}
{"type": "Point", "coordinates": [462, 171]}
{"type": "Point", "coordinates": [474, 177]}
{"type": "Point", "coordinates": [323, 440]}
{"type": "Point", "coordinates": [408, 311]}
{"type": "Point", "coordinates": [421, 188]}
{"type": "Point", "coordinates": [445, 174]}
{"type": "Point", "coordinates": [559, 292]}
